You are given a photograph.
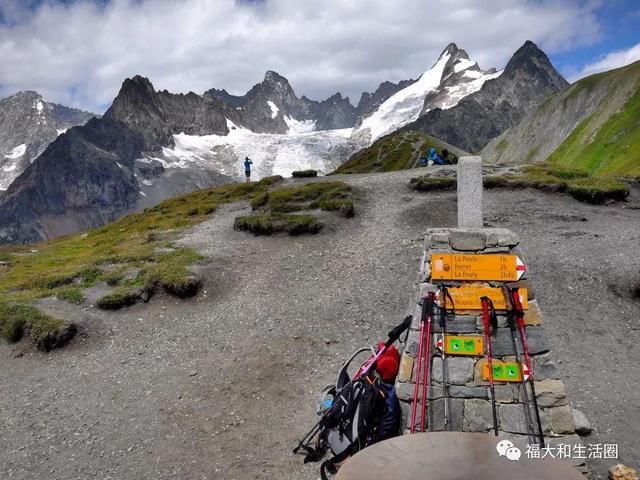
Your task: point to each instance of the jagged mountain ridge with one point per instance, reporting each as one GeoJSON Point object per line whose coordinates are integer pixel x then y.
{"type": "Point", "coordinates": [265, 107]}
{"type": "Point", "coordinates": [593, 125]}
{"type": "Point", "coordinates": [175, 143]}
{"type": "Point", "coordinates": [28, 124]}
{"type": "Point", "coordinates": [452, 77]}
{"type": "Point", "coordinates": [528, 78]}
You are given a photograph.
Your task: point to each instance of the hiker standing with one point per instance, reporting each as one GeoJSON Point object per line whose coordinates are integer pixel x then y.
{"type": "Point", "coordinates": [247, 168]}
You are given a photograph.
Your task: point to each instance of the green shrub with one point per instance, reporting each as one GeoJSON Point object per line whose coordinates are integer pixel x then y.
{"type": "Point", "coordinates": [344, 205]}
{"type": "Point", "coordinates": [267, 223]}
{"type": "Point", "coordinates": [123, 297]}
{"type": "Point", "coordinates": [426, 184]}
{"type": "Point", "coordinates": [15, 319]}
{"type": "Point", "coordinates": [71, 295]}
{"type": "Point", "coordinates": [597, 190]}
{"type": "Point", "coordinates": [495, 181]}
{"type": "Point", "coordinates": [576, 183]}
{"type": "Point", "coordinates": [259, 200]}
{"type": "Point", "coordinates": [270, 180]}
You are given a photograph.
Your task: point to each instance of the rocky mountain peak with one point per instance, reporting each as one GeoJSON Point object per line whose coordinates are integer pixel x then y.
{"type": "Point", "coordinates": [28, 123]}
{"type": "Point", "coordinates": [527, 79]}
{"type": "Point", "coordinates": [454, 52]}
{"type": "Point", "coordinates": [134, 91]}
{"type": "Point", "coordinates": [527, 53]}
{"type": "Point", "coordinates": [274, 83]}
{"type": "Point", "coordinates": [274, 77]}
{"type": "Point", "coordinates": [139, 107]}
{"type": "Point", "coordinates": [26, 95]}
{"type": "Point", "coordinates": [529, 61]}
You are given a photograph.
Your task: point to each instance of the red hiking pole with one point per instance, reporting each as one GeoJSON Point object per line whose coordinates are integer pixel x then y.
{"type": "Point", "coordinates": [423, 362]}
{"type": "Point", "coordinates": [519, 314]}
{"type": "Point", "coordinates": [490, 322]}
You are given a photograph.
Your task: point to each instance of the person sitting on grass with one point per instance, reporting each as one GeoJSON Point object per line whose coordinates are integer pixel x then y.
{"type": "Point", "coordinates": [433, 158]}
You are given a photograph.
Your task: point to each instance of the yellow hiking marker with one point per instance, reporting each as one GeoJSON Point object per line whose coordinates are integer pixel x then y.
{"type": "Point", "coordinates": [467, 297]}
{"type": "Point", "coordinates": [473, 266]}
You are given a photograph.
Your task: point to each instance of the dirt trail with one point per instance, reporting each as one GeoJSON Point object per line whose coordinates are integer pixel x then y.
{"type": "Point", "coordinates": [219, 387]}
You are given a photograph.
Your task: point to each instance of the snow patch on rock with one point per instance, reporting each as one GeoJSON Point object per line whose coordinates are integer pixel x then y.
{"type": "Point", "coordinates": [274, 109]}
{"type": "Point", "coordinates": [299, 126]}
{"type": "Point", "coordinates": [404, 106]}
{"type": "Point", "coordinates": [17, 152]}
{"type": "Point", "coordinates": [458, 92]}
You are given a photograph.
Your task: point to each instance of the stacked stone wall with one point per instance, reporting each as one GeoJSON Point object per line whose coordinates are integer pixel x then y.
{"type": "Point", "coordinates": [470, 408]}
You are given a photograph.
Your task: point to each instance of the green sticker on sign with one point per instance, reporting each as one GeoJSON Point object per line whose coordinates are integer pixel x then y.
{"type": "Point", "coordinates": [502, 371]}
{"type": "Point", "coordinates": [464, 345]}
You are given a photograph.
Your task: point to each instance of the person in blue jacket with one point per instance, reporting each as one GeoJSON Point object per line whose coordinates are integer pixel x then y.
{"type": "Point", "coordinates": [247, 168]}
{"type": "Point", "coordinates": [433, 158]}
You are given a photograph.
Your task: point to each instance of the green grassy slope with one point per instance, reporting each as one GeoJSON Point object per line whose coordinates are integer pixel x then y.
{"type": "Point", "coordinates": [137, 253]}
{"type": "Point", "coordinates": [594, 125]}
{"type": "Point", "coordinates": [613, 150]}
{"type": "Point", "coordinates": [396, 151]}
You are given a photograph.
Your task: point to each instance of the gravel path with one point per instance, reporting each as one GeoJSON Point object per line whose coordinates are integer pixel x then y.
{"type": "Point", "coordinates": [221, 386]}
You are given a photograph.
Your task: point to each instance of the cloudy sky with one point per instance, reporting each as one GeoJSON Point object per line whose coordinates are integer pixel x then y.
{"type": "Point", "coordinates": [77, 52]}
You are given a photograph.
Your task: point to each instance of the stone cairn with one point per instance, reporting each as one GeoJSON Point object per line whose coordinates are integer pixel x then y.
{"type": "Point", "coordinates": [468, 393]}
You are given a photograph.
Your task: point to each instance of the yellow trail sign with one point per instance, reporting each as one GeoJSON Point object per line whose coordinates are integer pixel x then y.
{"type": "Point", "coordinates": [468, 297]}
{"type": "Point", "coordinates": [473, 266]}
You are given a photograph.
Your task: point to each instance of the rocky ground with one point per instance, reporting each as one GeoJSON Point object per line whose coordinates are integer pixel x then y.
{"type": "Point", "coordinates": [221, 386]}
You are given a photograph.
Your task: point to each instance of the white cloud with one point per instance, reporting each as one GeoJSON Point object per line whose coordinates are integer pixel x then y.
{"type": "Point", "coordinates": [611, 60]}
{"type": "Point", "coordinates": [79, 53]}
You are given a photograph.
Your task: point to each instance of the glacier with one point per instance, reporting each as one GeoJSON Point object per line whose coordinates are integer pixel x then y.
{"type": "Point", "coordinates": [272, 154]}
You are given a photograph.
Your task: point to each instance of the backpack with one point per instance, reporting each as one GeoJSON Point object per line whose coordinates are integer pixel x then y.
{"type": "Point", "coordinates": [356, 413]}
{"type": "Point", "coordinates": [360, 410]}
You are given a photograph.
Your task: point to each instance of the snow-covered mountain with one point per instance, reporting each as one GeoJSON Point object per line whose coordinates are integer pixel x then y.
{"type": "Point", "coordinates": [152, 145]}
{"type": "Point", "coordinates": [28, 124]}
{"type": "Point", "coordinates": [449, 80]}
{"type": "Point", "coordinates": [269, 118]}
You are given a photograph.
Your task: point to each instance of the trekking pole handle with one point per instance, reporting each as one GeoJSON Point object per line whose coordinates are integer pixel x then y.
{"type": "Point", "coordinates": [399, 330]}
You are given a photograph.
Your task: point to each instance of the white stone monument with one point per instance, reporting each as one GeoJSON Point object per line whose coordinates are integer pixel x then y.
{"type": "Point", "coordinates": [470, 192]}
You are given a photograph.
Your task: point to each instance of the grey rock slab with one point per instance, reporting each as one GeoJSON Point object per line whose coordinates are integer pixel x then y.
{"type": "Point", "coordinates": [467, 240]}
{"type": "Point", "coordinates": [459, 370]}
{"type": "Point", "coordinates": [550, 393]}
{"type": "Point", "coordinates": [405, 391]}
{"type": "Point", "coordinates": [455, 408]}
{"type": "Point", "coordinates": [583, 427]}
{"type": "Point", "coordinates": [460, 324]}
{"type": "Point", "coordinates": [544, 367]}
{"type": "Point", "coordinates": [513, 418]}
{"type": "Point", "coordinates": [478, 416]}
{"type": "Point", "coordinates": [502, 343]}
{"type": "Point", "coordinates": [506, 393]}
{"type": "Point", "coordinates": [562, 420]}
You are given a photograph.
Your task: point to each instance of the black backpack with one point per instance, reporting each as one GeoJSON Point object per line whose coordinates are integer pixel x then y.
{"type": "Point", "coordinates": [357, 413]}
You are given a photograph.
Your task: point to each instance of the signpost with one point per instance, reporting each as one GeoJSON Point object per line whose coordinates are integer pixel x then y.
{"type": "Point", "coordinates": [467, 297]}
{"type": "Point", "coordinates": [462, 266]}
